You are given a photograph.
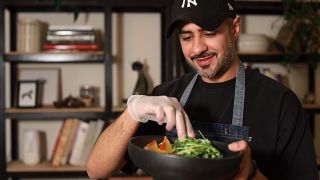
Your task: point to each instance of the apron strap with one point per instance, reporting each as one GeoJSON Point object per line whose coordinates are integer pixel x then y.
{"type": "Point", "coordinates": [187, 91]}
{"type": "Point", "coordinates": [239, 95]}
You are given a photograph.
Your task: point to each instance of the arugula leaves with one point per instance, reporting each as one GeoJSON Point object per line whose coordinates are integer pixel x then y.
{"type": "Point", "coordinates": [191, 147]}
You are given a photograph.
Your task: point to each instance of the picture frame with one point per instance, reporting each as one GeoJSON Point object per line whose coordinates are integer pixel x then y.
{"type": "Point", "coordinates": [28, 94]}
{"type": "Point", "coordinates": [51, 78]}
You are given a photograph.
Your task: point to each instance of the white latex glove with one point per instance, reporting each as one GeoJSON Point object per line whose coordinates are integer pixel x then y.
{"type": "Point", "coordinates": [161, 109]}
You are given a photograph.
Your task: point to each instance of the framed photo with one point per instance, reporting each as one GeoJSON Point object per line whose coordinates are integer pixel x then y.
{"type": "Point", "coordinates": [28, 94]}
{"type": "Point", "coordinates": [51, 82]}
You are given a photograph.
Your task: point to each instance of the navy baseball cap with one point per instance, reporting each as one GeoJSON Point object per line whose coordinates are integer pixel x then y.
{"type": "Point", "coordinates": [208, 14]}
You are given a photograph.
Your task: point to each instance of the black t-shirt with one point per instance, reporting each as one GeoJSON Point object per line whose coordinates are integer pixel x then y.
{"type": "Point", "coordinates": [281, 142]}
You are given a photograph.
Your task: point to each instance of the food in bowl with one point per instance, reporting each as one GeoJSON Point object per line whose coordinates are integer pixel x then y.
{"type": "Point", "coordinates": [168, 166]}
{"type": "Point", "coordinates": [189, 147]}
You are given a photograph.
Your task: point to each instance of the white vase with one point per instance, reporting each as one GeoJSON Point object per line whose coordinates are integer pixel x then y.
{"type": "Point", "coordinates": [31, 146]}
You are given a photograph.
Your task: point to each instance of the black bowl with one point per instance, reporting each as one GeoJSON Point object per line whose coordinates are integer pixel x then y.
{"type": "Point", "coordinates": [173, 167]}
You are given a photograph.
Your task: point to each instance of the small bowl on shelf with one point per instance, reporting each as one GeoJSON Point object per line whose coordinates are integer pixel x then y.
{"type": "Point", "coordinates": [163, 166]}
{"type": "Point", "coordinates": [253, 43]}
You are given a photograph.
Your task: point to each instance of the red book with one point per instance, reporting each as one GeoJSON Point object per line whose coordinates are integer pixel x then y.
{"type": "Point", "coordinates": [71, 47]}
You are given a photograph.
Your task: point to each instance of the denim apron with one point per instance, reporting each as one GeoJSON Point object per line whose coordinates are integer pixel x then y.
{"type": "Point", "coordinates": [217, 131]}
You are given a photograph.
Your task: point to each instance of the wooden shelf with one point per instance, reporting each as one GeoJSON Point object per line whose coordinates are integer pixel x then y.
{"type": "Point", "coordinates": [56, 57]}
{"type": "Point", "coordinates": [312, 107]}
{"type": "Point", "coordinates": [51, 112]}
{"type": "Point", "coordinates": [269, 57]}
{"type": "Point", "coordinates": [18, 166]}
{"type": "Point", "coordinates": [45, 170]}
{"type": "Point", "coordinates": [53, 109]}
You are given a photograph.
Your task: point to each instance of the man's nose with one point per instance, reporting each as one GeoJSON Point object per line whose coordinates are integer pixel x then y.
{"type": "Point", "coordinates": [199, 45]}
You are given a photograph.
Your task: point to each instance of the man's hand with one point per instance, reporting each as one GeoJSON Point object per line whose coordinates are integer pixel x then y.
{"type": "Point", "coordinates": [161, 109]}
{"type": "Point", "coordinates": [246, 162]}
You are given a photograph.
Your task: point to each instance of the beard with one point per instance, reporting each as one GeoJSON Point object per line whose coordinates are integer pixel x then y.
{"type": "Point", "coordinates": [223, 63]}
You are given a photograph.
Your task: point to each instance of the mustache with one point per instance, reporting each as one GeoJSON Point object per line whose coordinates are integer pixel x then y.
{"type": "Point", "coordinates": [203, 55]}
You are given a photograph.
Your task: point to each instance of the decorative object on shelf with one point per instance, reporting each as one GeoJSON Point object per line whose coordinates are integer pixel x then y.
{"type": "Point", "coordinates": [69, 102]}
{"type": "Point", "coordinates": [51, 78]}
{"type": "Point", "coordinates": [253, 43]}
{"type": "Point", "coordinates": [89, 95]}
{"type": "Point", "coordinates": [31, 147]}
{"type": "Point", "coordinates": [141, 86]}
{"type": "Point", "coordinates": [302, 29]}
{"type": "Point", "coordinates": [29, 35]}
{"type": "Point", "coordinates": [309, 98]}
{"type": "Point", "coordinates": [29, 93]}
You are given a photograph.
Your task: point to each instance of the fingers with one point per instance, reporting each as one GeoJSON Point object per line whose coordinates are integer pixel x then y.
{"type": "Point", "coordinates": [170, 113]}
{"type": "Point", "coordinates": [180, 125]}
{"type": "Point", "coordinates": [238, 146]}
{"type": "Point", "coordinates": [245, 166]}
{"type": "Point", "coordinates": [190, 132]}
{"type": "Point", "coordinates": [162, 109]}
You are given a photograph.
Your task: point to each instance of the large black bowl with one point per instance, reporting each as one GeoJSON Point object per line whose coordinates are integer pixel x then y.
{"type": "Point", "coordinates": [172, 167]}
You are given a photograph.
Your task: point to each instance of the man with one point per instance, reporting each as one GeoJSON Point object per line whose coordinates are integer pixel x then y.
{"type": "Point", "coordinates": [226, 101]}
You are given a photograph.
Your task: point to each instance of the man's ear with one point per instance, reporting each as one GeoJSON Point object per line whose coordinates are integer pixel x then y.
{"type": "Point", "coordinates": [236, 27]}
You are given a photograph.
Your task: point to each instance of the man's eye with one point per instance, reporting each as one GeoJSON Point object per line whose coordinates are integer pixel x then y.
{"type": "Point", "coordinates": [210, 33]}
{"type": "Point", "coordinates": [185, 38]}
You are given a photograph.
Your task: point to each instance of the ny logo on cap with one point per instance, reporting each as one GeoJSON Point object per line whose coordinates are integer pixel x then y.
{"type": "Point", "coordinates": [194, 2]}
{"type": "Point", "coordinates": [230, 7]}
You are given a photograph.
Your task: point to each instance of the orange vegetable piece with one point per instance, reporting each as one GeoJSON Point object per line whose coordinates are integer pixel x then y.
{"type": "Point", "coordinates": [152, 146]}
{"type": "Point", "coordinates": [165, 145]}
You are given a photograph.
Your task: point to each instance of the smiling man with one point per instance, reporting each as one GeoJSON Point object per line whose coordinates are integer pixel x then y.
{"type": "Point", "coordinates": [223, 99]}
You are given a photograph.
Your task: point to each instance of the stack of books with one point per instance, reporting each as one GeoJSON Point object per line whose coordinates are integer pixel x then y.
{"type": "Point", "coordinates": [71, 38]}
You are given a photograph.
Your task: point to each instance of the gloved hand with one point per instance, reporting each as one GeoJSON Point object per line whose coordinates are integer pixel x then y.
{"type": "Point", "coordinates": [161, 109]}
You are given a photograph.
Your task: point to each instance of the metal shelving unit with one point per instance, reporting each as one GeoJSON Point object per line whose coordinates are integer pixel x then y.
{"type": "Point", "coordinates": [16, 169]}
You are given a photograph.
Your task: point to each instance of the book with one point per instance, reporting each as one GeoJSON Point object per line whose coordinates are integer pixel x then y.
{"type": "Point", "coordinates": [70, 42]}
{"type": "Point", "coordinates": [70, 141]}
{"type": "Point", "coordinates": [79, 143]}
{"type": "Point", "coordinates": [91, 47]}
{"type": "Point", "coordinates": [67, 126]}
{"type": "Point", "coordinates": [55, 147]}
{"type": "Point", "coordinates": [70, 38]}
{"type": "Point", "coordinates": [71, 27]}
{"type": "Point", "coordinates": [70, 32]}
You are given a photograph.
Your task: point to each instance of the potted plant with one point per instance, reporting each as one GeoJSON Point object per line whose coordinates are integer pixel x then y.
{"type": "Point", "coordinates": [302, 21]}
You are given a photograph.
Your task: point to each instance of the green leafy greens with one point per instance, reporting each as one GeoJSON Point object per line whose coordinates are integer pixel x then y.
{"type": "Point", "coordinates": [192, 147]}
